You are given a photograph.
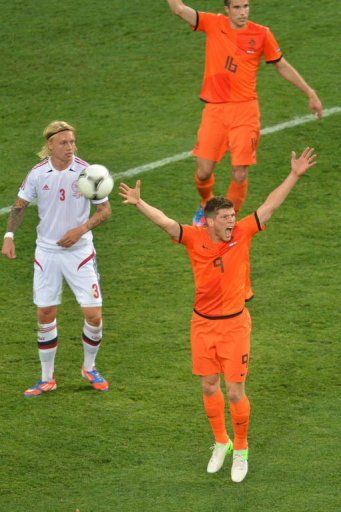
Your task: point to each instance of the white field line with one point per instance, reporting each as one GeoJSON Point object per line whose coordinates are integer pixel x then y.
{"type": "Point", "coordinates": [265, 131]}
{"type": "Point", "coordinates": [186, 154]}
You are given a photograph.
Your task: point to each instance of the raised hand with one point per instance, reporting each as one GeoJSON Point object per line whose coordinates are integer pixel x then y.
{"type": "Point", "coordinates": [299, 165]}
{"type": "Point", "coordinates": [130, 195]}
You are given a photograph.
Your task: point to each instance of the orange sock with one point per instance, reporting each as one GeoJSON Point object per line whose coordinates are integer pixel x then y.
{"type": "Point", "coordinates": [240, 418]}
{"type": "Point", "coordinates": [215, 412]}
{"type": "Point", "coordinates": [205, 188]}
{"type": "Point", "coordinates": [237, 193]}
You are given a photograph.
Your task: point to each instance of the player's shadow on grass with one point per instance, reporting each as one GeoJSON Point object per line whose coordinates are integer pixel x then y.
{"type": "Point", "coordinates": [87, 389]}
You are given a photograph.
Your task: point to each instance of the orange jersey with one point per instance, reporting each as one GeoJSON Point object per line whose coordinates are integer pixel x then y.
{"type": "Point", "coordinates": [233, 57]}
{"type": "Point", "coordinates": [220, 269]}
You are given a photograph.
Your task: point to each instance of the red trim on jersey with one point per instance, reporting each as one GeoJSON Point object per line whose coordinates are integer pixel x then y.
{"type": "Point", "coordinates": [43, 162]}
{"type": "Point", "coordinates": [92, 255]}
{"type": "Point", "coordinates": [80, 161]}
{"type": "Point", "coordinates": [37, 262]}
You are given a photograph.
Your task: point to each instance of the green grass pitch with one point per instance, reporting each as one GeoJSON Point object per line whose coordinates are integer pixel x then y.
{"type": "Point", "coordinates": [128, 74]}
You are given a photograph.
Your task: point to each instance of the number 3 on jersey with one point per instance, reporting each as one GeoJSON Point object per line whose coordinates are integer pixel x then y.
{"type": "Point", "coordinates": [62, 194]}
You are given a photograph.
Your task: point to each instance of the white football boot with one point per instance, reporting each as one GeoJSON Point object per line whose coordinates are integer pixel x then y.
{"type": "Point", "coordinates": [220, 450]}
{"type": "Point", "coordinates": [239, 465]}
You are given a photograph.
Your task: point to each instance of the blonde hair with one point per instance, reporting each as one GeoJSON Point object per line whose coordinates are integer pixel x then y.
{"type": "Point", "coordinates": [49, 132]}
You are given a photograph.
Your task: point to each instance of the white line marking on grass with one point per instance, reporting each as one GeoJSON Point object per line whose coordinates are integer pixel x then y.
{"type": "Point", "coordinates": [5, 210]}
{"type": "Point", "coordinates": [186, 154]}
{"type": "Point", "coordinates": [265, 131]}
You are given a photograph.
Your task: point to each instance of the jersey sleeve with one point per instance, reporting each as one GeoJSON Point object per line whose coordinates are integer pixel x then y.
{"type": "Point", "coordinates": [272, 51]}
{"type": "Point", "coordinates": [187, 235]}
{"type": "Point", "coordinates": [251, 224]}
{"type": "Point", "coordinates": [28, 188]}
{"type": "Point", "coordinates": [99, 201]}
{"type": "Point", "coordinates": [205, 21]}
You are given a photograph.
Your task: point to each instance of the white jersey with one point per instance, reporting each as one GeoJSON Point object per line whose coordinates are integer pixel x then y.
{"type": "Point", "coordinates": [60, 205]}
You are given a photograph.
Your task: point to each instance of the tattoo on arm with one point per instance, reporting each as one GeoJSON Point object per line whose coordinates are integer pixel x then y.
{"type": "Point", "coordinates": [16, 214]}
{"type": "Point", "coordinates": [102, 213]}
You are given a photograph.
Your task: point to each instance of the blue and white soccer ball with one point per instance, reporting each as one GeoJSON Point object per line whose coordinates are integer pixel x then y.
{"type": "Point", "coordinates": [95, 182]}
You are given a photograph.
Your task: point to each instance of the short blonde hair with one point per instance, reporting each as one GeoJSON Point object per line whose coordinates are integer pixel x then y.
{"type": "Point", "coordinates": [50, 131]}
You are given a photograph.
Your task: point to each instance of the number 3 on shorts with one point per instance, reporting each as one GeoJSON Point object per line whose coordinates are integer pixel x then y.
{"type": "Point", "coordinates": [95, 290]}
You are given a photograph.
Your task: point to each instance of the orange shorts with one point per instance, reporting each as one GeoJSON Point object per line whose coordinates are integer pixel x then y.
{"type": "Point", "coordinates": [229, 126]}
{"type": "Point", "coordinates": [221, 346]}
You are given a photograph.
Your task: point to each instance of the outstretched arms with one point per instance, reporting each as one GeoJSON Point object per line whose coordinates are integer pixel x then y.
{"type": "Point", "coordinates": [289, 73]}
{"type": "Point", "coordinates": [14, 220]}
{"type": "Point", "coordinates": [132, 196]}
{"type": "Point", "coordinates": [183, 11]}
{"type": "Point", "coordinates": [274, 200]}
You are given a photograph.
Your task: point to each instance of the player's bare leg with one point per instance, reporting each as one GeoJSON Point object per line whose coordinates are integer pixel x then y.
{"type": "Point", "coordinates": [92, 337]}
{"type": "Point", "coordinates": [47, 348]}
{"type": "Point", "coordinates": [237, 190]}
{"type": "Point", "coordinates": [214, 405]}
{"type": "Point", "coordinates": [204, 182]}
{"type": "Point", "coordinates": [240, 418]}
{"type": "Point", "coordinates": [236, 193]}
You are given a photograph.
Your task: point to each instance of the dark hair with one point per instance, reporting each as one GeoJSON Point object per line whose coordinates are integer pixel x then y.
{"type": "Point", "coordinates": [227, 3]}
{"type": "Point", "coordinates": [215, 204]}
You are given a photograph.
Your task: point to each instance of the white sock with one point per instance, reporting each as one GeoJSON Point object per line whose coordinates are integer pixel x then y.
{"type": "Point", "coordinates": [47, 348]}
{"type": "Point", "coordinates": [92, 336]}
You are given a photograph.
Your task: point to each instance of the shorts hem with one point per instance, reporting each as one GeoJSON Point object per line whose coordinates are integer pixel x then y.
{"type": "Point", "coordinates": [47, 305]}
{"type": "Point", "coordinates": [99, 305]}
{"type": "Point", "coordinates": [195, 152]}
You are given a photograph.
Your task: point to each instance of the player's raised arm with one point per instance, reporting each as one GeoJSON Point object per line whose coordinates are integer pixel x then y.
{"type": "Point", "coordinates": [183, 11]}
{"type": "Point", "coordinates": [133, 196]}
{"type": "Point", "coordinates": [299, 166]}
{"type": "Point", "coordinates": [14, 220]}
{"type": "Point", "coordinates": [288, 72]}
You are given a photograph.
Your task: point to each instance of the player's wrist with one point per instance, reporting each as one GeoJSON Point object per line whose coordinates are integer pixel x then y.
{"type": "Point", "coordinates": [311, 93]}
{"type": "Point", "coordinates": [9, 234]}
{"type": "Point", "coordinates": [295, 174]}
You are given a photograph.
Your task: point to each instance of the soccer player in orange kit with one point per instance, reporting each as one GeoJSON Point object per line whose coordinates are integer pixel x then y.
{"type": "Point", "coordinates": [221, 324]}
{"type": "Point", "coordinates": [231, 119]}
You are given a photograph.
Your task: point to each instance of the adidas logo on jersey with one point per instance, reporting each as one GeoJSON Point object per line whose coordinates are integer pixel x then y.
{"type": "Point", "coordinates": [46, 187]}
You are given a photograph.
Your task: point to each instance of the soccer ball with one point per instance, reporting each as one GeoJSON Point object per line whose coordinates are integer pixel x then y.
{"type": "Point", "coordinates": [95, 182]}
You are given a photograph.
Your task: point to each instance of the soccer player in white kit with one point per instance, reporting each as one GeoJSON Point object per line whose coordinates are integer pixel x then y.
{"type": "Point", "coordinates": [64, 250]}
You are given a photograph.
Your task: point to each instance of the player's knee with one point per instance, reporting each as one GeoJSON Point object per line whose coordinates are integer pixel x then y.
{"type": "Point", "coordinates": [235, 393]}
{"type": "Point", "coordinates": [46, 315]}
{"type": "Point", "coordinates": [240, 173]}
{"type": "Point", "coordinates": [210, 387]}
{"type": "Point", "coordinates": [204, 169]}
{"type": "Point", "coordinates": [94, 318]}
{"type": "Point", "coordinates": [203, 174]}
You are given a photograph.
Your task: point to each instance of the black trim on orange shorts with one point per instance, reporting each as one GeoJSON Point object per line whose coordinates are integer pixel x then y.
{"type": "Point", "coordinates": [223, 317]}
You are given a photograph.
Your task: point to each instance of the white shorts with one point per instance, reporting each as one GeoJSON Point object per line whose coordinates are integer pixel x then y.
{"type": "Point", "coordinates": [78, 268]}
